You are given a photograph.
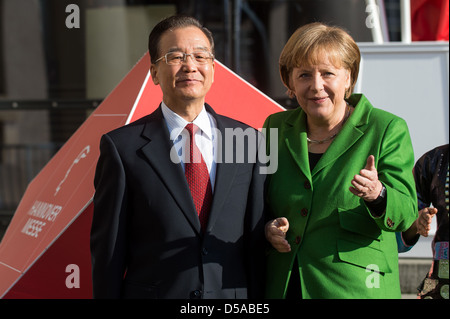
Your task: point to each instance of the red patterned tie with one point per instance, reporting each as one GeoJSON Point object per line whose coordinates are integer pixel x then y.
{"type": "Point", "coordinates": [197, 177]}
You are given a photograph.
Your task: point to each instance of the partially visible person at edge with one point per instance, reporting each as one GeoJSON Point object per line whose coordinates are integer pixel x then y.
{"type": "Point", "coordinates": [344, 183]}
{"type": "Point", "coordinates": [431, 174]}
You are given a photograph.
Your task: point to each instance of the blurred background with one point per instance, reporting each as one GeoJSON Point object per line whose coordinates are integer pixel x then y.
{"type": "Point", "coordinates": [60, 58]}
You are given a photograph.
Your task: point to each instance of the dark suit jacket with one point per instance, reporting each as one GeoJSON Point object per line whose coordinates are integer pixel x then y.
{"type": "Point", "coordinates": [146, 240]}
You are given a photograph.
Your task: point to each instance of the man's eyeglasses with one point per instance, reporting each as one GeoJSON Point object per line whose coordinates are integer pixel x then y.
{"type": "Point", "coordinates": [177, 58]}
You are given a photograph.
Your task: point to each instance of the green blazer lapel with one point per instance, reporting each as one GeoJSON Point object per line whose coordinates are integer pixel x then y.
{"type": "Point", "coordinates": [346, 138]}
{"type": "Point", "coordinates": [296, 143]}
{"type": "Point", "coordinates": [352, 131]}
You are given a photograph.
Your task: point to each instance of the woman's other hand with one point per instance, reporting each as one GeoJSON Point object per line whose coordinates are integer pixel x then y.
{"type": "Point", "coordinates": [276, 231]}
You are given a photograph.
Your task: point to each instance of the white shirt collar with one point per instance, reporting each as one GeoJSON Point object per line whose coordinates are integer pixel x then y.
{"type": "Point", "coordinates": [176, 123]}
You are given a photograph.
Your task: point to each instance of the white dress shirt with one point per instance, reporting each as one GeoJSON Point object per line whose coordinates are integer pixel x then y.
{"type": "Point", "coordinates": [205, 137]}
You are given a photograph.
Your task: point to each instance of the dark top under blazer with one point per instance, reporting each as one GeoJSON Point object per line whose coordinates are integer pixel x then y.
{"type": "Point", "coordinates": [146, 240]}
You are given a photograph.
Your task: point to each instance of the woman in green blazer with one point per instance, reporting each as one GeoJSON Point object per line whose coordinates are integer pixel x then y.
{"type": "Point", "coordinates": [344, 182]}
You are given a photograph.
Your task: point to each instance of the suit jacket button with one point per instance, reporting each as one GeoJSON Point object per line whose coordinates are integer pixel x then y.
{"type": "Point", "coordinates": [307, 184]}
{"type": "Point", "coordinates": [390, 223]}
{"type": "Point", "coordinates": [196, 294]}
{"type": "Point", "coordinates": [298, 239]}
{"type": "Point", "coordinates": [304, 212]}
{"type": "Point", "coordinates": [205, 251]}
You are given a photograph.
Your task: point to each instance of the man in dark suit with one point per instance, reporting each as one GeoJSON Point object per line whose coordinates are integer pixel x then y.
{"type": "Point", "coordinates": [159, 230]}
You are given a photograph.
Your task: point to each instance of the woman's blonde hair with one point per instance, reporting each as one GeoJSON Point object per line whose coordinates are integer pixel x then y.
{"type": "Point", "coordinates": [309, 43]}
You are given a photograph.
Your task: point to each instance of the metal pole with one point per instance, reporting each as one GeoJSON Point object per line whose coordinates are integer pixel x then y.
{"type": "Point", "coordinates": [405, 18]}
{"type": "Point", "coordinates": [373, 21]}
{"type": "Point", "coordinates": [383, 21]}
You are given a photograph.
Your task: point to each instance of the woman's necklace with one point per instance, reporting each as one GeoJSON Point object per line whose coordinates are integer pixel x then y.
{"type": "Point", "coordinates": [321, 141]}
{"type": "Point", "coordinates": [334, 135]}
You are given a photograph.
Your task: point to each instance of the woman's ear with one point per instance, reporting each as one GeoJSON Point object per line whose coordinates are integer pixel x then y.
{"type": "Point", "coordinates": [348, 84]}
{"type": "Point", "coordinates": [290, 93]}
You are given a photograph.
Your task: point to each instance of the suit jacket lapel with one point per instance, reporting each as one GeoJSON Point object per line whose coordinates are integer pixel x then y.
{"type": "Point", "coordinates": [350, 134]}
{"type": "Point", "coordinates": [225, 173]}
{"type": "Point", "coordinates": [157, 152]}
{"type": "Point", "coordinates": [345, 139]}
{"type": "Point", "coordinates": [295, 138]}
{"type": "Point", "coordinates": [297, 144]}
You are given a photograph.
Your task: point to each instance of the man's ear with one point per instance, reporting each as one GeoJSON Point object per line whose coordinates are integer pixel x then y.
{"type": "Point", "coordinates": [154, 73]}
